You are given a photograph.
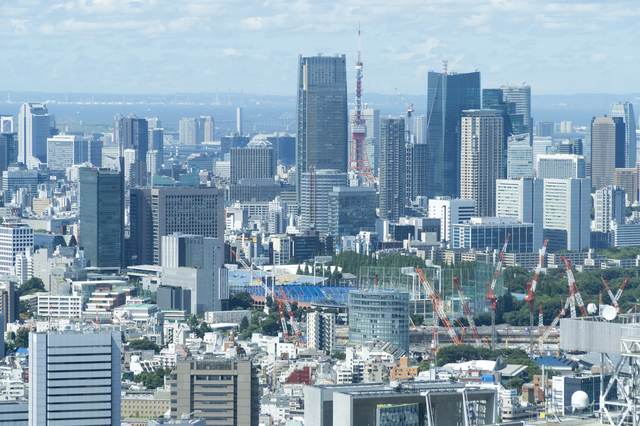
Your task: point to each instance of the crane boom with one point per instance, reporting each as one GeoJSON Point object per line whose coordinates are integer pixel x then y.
{"type": "Point", "coordinates": [409, 111]}
{"type": "Point", "coordinates": [574, 294]}
{"type": "Point", "coordinates": [619, 292]}
{"type": "Point", "coordinates": [437, 306]}
{"type": "Point", "coordinates": [614, 301]}
{"type": "Point", "coordinates": [267, 290]}
{"type": "Point", "coordinates": [467, 312]}
{"type": "Point", "coordinates": [499, 266]}
{"type": "Point", "coordinates": [534, 282]}
{"type": "Point", "coordinates": [562, 313]}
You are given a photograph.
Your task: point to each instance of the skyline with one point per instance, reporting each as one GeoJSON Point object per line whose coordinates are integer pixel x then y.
{"type": "Point", "coordinates": [155, 46]}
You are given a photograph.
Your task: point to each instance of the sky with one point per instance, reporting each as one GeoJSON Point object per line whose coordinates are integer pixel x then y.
{"type": "Point", "coordinates": [180, 46]}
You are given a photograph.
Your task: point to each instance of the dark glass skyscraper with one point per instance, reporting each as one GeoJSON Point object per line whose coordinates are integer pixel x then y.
{"type": "Point", "coordinates": [102, 217]}
{"type": "Point", "coordinates": [447, 97]}
{"type": "Point", "coordinates": [393, 163]}
{"type": "Point", "coordinates": [322, 138]}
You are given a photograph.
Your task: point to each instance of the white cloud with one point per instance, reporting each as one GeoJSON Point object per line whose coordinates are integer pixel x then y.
{"type": "Point", "coordinates": [231, 52]}
{"type": "Point", "coordinates": [598, 57]}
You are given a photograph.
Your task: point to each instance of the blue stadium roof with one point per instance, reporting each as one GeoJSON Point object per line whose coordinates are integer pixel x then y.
{"type": "Point", "coordinates": [302, 293]}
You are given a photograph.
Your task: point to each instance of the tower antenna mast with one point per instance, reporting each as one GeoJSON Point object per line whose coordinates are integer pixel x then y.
{"type": "Point", "coordinates": [358, 159]}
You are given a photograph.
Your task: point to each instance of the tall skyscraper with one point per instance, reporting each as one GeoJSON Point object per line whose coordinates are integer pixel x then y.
{"type": "Point", "coordinates": [609, 208]}
{"type": "Point", "coordinates": [156, 142]}
{"type": "Point", "coordinates": [561, 166]}
{"type": "Point", "coordinates": [64, 151]}
{"type": "Point", "coordinates": [15, 239]}
{"type": "Point", "coordinates": [447, 96]}
{"type": "Point", "coordinates": [519, 156]}
{"type": "Point", "coordinates": [102, 216]}
{"type": "Point", "coordinates": [207, 128]}
{"type": "Point", "coordinates": [322, 139]}
{"type": "Point", "coordinates": [33, 131]}
{"type": "Point", "coordinates": [628, 180]}
{"type": "Point", "coordinates": [521, 96]}
{"type": "Point", "coordinates": [624, 110]}
{"type": "Point", "coordinates": [188, 129]}
{"type": "Point", "coordinates": [74, 379]}
{"type": "Point", "coordinates": [156, 212]}
{"type": "Point", "coordinates": [351, 210]}
{"type": "Point", "coordinates": [417, 156]}
{"type": "Point", "coordinates": [392, 169]}
{"type": "Point", "coordinates": [567, 214]}
{"type": "Point", "coordinates": [135, 135]}
{"type": "Point", "coordinates": [545, 128]}
{"type": "Point", "coordinates": [420, 129]}
{"type": "Point", "coordinates": [481, 158]}
{"type": "Point", "coordinates": [607, 149]}
{"type": "Point", "coordinates": [522, 199]}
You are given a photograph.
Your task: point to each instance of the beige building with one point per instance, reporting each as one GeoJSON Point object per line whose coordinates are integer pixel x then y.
{"type": "Point", "coordinates": [607, 140]}
{"type": "Point", "coordinates": [481, 158]}
{"type": "Point", "coordinates": [224, 390]}
{"type": "Point", "coordinates": [145, 405]}
{"type": "Point", "coordinates": [628, 179]}
{"type": "Point", "coordinates": [256, 161]}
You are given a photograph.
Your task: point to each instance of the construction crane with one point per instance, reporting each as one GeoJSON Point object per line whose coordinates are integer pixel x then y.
{"type": "Point", "coordinates": [283, 321]}
{"type": "Point", "coordinates": [531, 288]}
{"type": "Point", "coordinates": [467, 312]}
{"type": "Point", "coordinates": [267, 290]}
{"type": "Point", "coordinates": [562, 313]}
{"type": "Point", "coordinates": [540, 325]}
{"type": "Point", "coordinates": [292, 320]}
{"type": "Point", "coordinates": [409, 111]}
{"type": "Point", "coordinates": [614, 299]}
{"type": "Point", "coordinates": [437, 306]}
{"type": "Point", "coordinates": [574, 294]}
{"type": "Point", "coordinates": [491, 295]}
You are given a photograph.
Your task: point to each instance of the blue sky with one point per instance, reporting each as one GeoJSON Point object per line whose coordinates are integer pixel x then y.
{"type": "Point", "coordinates": [157, 46]}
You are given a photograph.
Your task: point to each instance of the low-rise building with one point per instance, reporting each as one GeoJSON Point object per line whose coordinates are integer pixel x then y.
{"type": "Point", "coordinates": [59, 306]}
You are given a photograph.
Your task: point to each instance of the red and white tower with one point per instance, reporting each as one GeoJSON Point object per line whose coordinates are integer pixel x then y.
{"type": "Point", "coordinates": [358, 160]}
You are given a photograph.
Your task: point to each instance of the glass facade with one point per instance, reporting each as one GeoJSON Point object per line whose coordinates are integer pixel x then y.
{"type": "Point", "coordinates": [493, 236]}
{"type": "Point", "coordinates": [351, 210]}
{"type": "Point", "coordinates": [322, 139]}
{"type": "Point", "coordinates": [404, 414]}
{"type": "Point", "coordinates": [393, 163]}
{"type": "Point", "coordinates": [447, 97]}
{"type": "Point", "coordinates": [379, 314]}
{"type": "Point", "coordinates": [102, 217]}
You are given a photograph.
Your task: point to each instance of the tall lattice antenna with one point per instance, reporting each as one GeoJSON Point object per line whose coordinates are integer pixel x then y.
{"type": "Point", "coordinates": [358, 160]}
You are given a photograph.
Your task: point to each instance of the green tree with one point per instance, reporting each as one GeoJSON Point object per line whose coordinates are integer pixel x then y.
{"type": "Point", "coordinates": [339, 355]}
{"type": "Point", "coordinates": [143, 345]}
{"type": "Point", "coordinates": [32, 285]}
{"type": "Point", "coordinates": [241, 300]}
{"type": "Point", "coordinates": [22, 339]}
{"type": "Point", "coordinates": [516, 383]}
{"type": "Point", "coordinates": [244, 324]}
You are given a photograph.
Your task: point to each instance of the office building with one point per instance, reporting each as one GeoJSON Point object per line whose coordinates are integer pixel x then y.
{"type": "Point", "coordinates": [239, 121]}
{"type": "Point", "coordinates": [135, 135]}
{"type": "Point", "coordinates": [314, 190]}
{"type": "Point", "coordinates": [450, 211]}
{"type": "Point", "coordinates": [481, 158]}
{"type": "Point", "coordinates": [379, 314]}
{"type": "Point", "coordinates": [225, 391]}
{"type": "Point", "coordinates": [188, 130]}
{"type": "Point", "coordinates": [522, 199]}
{"type": "Point", "coordinates": [521, 96]}
{"type": "Point", "coordinates": [74, 379]}
{"type": "Point", "coordinates": [59, 306]}
{"type": "Point", "coordinates": [9, 304]}
{"type": "Point", "coordinates": [285, 146]}
{"type": "Point", "coordinates": [156, 142]}
{"type": "Point", "coordinates": [198, 162]}
{"type": "Point", "coordinates": [371, 135]}
{"type": "Point", "coordinates": [561, 166]}
{"type": "Point", "coordinates": [102, 217]}
{"type": "Point", "coordinates": [420, 129]}
{"type": "Point", "coordinates": [447, 96]}
{"type": "Point", "coordinates": [416, 170]}
{"type": "Point", "coordinates": [513, 122]}
{"type": "Point", "coordinates": [628, 180]}
{"type": "Point", "coordinates": [540, 146]}
{"type": "Point", "coordinates": [392, 168]}
{"type": "Point", "coordinates": [154, 123]}
{"type": "Point", "coordinates": [156, 212]}
{"type": "Point", "coordinates": [154, 163]}
{"type": "Point", "coordinates": [567, 214]}
{"type": "Point", "coordinates": [624, 235]}
{"type": "Point", "coordinates": [491, 232]}
{"type": "Point", "coordinates": [196, 263]}
{"type": "Point", "coordinates": [281, 249]}
{"type": "Point", "coordinates": [207, 128]}
{"type": "Point", "coordinates": [6, 123]}
{"type": "Point", "coordinates": [609, 208]}
{"type": "Point", "coordinates": [321, 331]}
{"type": "Point", "coordinates": [519, 156]}
{"type": "Point", "coordinates": [64, 151]}
{"type": "Point", "coordinates": [571, 146]}
{"type": "Point", "coordinates": [9, 148]}
{"type": "Point", "coordinates": [15, 239]}
{"type": "Point", "coordinates": [33, 131]}
{"type": "Point", "coordinates": [545, 128]}
{"type": "Point", "coordinates": [17, 177]}
{"type": "Point", "coordinates": [322, 128]}
{"type": "Point", "coordinates": [351, 210]}
{"type": "Point", "coordinates": [624, 110]}
{"type": "Point", "coordinates": [256, 161]}
{"type": "Point", "coordinates": [607, 149]}
{"type": "Point", "coordinates": [278, 217]}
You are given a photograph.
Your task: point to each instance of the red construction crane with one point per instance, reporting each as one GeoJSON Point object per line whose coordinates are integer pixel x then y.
{"type": "Point", "coordinates": [409, 111]}
{"type": "Point", "coordinates": [467, 312]}
{"type": "Point", "coordinates": [294, 324]}
{"type": "Point", "coordinates": [574, 294]}
{"type": "Point", "coordinates": [540, 325]}
{"type": "Point", "coordinates": [531, 288]}
{"type": "Point", "coordinates": [491, 296]}
{"type": "Point", "coordinates": [562, 313]}
{"type": "Point", "coordinates": [437, 306]}
{"type": "Point", "coordinates": [614, 299]}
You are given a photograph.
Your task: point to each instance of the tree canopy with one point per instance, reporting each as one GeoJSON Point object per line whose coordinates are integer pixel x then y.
{"type": "Point", "coordinates": [143, 345]}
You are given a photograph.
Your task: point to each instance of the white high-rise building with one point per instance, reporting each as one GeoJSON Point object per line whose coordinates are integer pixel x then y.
{"type": "Point", "coordinates": [519, 156]}
{"type": "Point", "coordinates": [15, 239]}
{"type": "Point", "coordinates": [321, 331]}
{"type": "Point", "coordinates": [625, 110]}
{"type": "Point", "coordinates": [33, 131]}
{"type": "Point", "coordinates": [153, 163]}
{"type": "Point", "coordinates": [6, 123]}
{"type": "Point", "coordinates": [567, 213]}
{"type": "Point", "coordinates": [64, 151]}
{"type": "Point", "coordinates": [188, 130]}
{"type": "Point", "coordinates": [521, 95]}
{"type": "Point", "coordinates": [314, 198]}
{"type": "Point", "coordinates": [451, 211]}
{"type": "Point", "coordinates": [129, 159]}
{"type": "Point", "coordinates": [566, 127]}
{"type": "Point", "coordinates": [74, 379]}
{"type": "Point", "coordinates": [277, 216]}
{"type": "Point", "coordinates": [609, 208]}
{"type": "Point", "coordinates": [561, 166]}
{"type": "Point", "coordinates": [540, 145]}
{"type": "Point", "coordinates": [522, 199]}
{"type": "Point", "coordinates": [420, 129]}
